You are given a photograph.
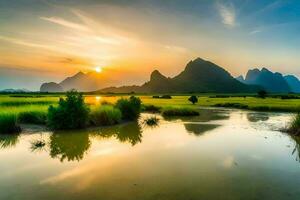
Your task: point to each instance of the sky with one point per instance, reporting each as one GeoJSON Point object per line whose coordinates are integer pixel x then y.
{"type": "Point", "coordinates": [48, 40]}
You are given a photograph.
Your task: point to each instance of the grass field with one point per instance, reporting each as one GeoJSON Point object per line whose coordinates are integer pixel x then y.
{"type": "Point", "coordinates": [34, 109]}
{"type": "Point", "coordinates": [41, 103]}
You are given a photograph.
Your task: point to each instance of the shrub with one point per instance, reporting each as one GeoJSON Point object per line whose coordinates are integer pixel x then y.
{"type": "Point", "coordinates": [155, 97]}
{"type": "Point", "coordinates": [262, 94]}
{"type": "Point", "coordinates": [151, 108]}
{"type": "Point", "coordinates": [130, 108]}
{"type": "Point", "coordinates": [8, 123]}
{"type": "Point", "coordinates": [166, 97]}
{"type": "Point", "coordinates": [151, 121]}
{"type": "Point", "coordinates": [193, 99]}
{"type": "Point", "coordinates": [70, 113]}
{"type": "Point", "coordinates": [168, 112]}
{"type": "Point", "coordinates": [32, 117]}
{"type": "Point", "coordinates": [105, 115]}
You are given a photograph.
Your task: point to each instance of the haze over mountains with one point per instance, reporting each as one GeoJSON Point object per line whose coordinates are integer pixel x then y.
{"type": "Point", "coordinates": [198, 76]}
{"type": "Point", "coordinates": [272, 82]}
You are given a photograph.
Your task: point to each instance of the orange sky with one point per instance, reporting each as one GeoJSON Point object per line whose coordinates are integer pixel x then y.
{"type": "Point", "coordinates": [49, 41]}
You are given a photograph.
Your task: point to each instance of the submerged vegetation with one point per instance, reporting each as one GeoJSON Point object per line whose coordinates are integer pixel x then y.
{"type": "Point", "coordinates": [37, 145]}
{"type": "Point", "coordinates": [151, 121]}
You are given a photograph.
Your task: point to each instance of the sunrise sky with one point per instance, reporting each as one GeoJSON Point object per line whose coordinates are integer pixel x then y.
{"type": "Point", "coordinates": [47, 40]}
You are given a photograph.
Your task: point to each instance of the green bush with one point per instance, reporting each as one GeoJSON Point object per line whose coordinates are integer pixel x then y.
{"type": "Point", "coordinates": [193, 99]}
{"type": "Point", "coordinates": [166, 96]}
{"type": "Point", "coordinates": [262, 94]}
{"type": "Point", "coordinates": [130, 108]}
{"type": "Point", "coordinates": [32, 117]}
{"type": "Point", "coordinates": [151, 108]}
{"type": "Point", "coordinates": [168, 112]}
{"type": "Point", "coordinates": [8, 123]}
{"type": "Point", "coordinates": [71, 113]}
{"type": "Point", "coordinates": [105, 115]}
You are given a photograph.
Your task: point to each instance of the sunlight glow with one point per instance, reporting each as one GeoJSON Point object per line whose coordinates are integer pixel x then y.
{"type": "Point", "coordinates": [98, 69]}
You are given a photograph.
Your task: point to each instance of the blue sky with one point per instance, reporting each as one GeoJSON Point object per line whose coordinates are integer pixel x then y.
{"type": "Point", "coordinates": [47, 40]}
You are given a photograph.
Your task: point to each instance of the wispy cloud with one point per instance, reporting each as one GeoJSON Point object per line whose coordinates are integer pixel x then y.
{"type": "Point", "coordinates": [24, 43]}
{"type": "Point", "coordinates": [254, 32]}
{"type": "Point", "coordinates": [66, 23]}
{"type": "Point", "coordinates": [227, 13]}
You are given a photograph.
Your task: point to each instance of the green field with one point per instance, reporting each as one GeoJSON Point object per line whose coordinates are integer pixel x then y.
{"type": "Point", "coordinates": [41, 103]}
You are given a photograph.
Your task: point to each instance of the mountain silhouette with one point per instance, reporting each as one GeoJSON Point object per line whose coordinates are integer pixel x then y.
{"type": "Point", "coordinates": [198, 76]}
{"type": "Point", "coordinates": [51, 87]}
{"type": "Point", "coordinates": [272, 82]}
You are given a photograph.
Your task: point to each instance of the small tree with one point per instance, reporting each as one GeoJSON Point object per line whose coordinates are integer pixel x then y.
{"type": "Point", "coordinates": [262, 94]}
{"type": "Point", "coordinates": [193, 99]}
{"type": "Point", "coordinates": [70, 113]}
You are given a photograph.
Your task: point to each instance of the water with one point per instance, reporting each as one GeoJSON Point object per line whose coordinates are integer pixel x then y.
{"type": "Point", "coordinates": [223, 154]}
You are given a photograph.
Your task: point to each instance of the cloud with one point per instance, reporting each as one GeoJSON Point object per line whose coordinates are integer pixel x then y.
{"type": "Point", "coordinates": [228, 14]}
{"type": "Point", "coordinates": [24, 43]}
{"type": "Point", "coordinates": [65, 23]}
{"type": "Point", "coordinates": [255, 32]}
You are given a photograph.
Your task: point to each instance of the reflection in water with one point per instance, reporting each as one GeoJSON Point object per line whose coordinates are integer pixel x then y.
{"type": "Point", "coordinates": [256, 117]}
{"type": "Point", "coordinates": [7, 141]}
{"type": "Point", "coordinates": [130, 132]}
{"type": "Point", "coordinates": [69, 145]}
{"type": "Point", "coordinates": [205, 115]}
{"type": "Point", "coordinates": [199, 129]}
{"type": "Point", "coordinates": [296, 150]}
{"type": "Point", "coordinates": [223, 160]}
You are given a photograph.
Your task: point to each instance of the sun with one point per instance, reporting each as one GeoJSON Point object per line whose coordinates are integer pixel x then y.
{"type": "Point", "coordinates": [98, 69]}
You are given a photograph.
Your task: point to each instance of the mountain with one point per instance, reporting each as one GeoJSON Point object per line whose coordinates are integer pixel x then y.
{"type": "Point", "coordinates": [198, 76]}
{"type": "Point", "coordinates": [88, 81]}
{"type": "Point", "coordinates": [270, 81]}
{"type": "Point", "coordinates": [293, 82]}
{"type": "Point", "coordinates": [15, 91]}
{"type": "Point", "coordinates": [240, 78]}
{"type": "Point", "coordinates": [51, 87]}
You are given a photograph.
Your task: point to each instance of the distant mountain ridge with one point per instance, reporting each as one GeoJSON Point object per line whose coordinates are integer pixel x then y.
{"type": "Point", "coordinates": [273, 82]}
{"type": "Point", "coordinates": [15, 90]}
{"type": "Point", "coordinates": [198, 76]}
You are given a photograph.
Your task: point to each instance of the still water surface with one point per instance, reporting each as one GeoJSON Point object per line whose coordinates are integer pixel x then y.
{"type": "Point", "coordinates": [223, 154]}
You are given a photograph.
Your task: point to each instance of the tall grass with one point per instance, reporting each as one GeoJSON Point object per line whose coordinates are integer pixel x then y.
{"type": "Point", "coordinates": [105, 115]}
{"type": "Point", "coordinates": [33, 117]}
{"type": "Point", "coordinates": [179, 111]}
{"type": "Point", "coordinates": [295, 125]}
{"type": "Point", "coordinates": [8, 123]}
